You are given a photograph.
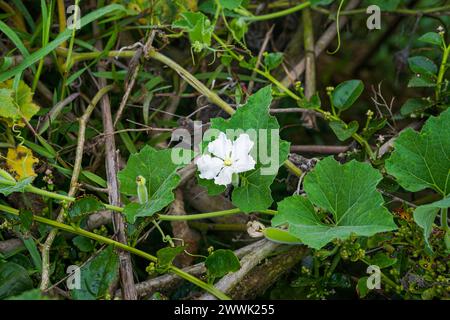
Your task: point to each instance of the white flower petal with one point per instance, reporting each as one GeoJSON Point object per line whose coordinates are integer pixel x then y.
{"type": "Point", "coordinates": [243, 164]}
{"type": "Point", "coordinates": [208, 166]}
{"type": "Point", "coordinates": [241, 147]}
{"type": "Point", "coordinates": [221, 147]}
{"type": "Point", "coordinates": [224, 177]}
{"type": "Point", "coordinates": [242, 161]}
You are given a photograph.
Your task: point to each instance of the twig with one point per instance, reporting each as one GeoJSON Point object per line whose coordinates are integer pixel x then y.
{"type": "Point", "coordinates": [319, 149]}
{"type": "Point", "coordinates": [294, 110]}
{"type": "Point", "coordinates": [258, 61]}
{"type": "Point", "coordinates": [265, 275]}
{"type": "Point", "coordinates": [248, 262]}
{"type": "Point", "coordinates": [54, 112]}
{"type": "Point", "coordinates": [169, 281]}
{"type": "Point", "coordinates": [45, 280]}
{"type": "Point", "coordinates": [135, 68]}
{"type": "Point", "coordinates": [125, 265]}
{"type": "Point", "coordinates": [321, 44]}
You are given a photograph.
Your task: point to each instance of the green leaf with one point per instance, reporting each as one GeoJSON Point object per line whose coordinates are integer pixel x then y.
{"type": "Point", "coordinates": [97, 275]}
{"type": "Point", "coordinates": [362, 288]}
{"type": "Point", "coordinates": [344, 131]}
{"type": "Point", "coordinates": [431, 38]}
{"type": "Point", "coordinates": [198, 27]}
{"type": "Point", "coordinates": [273, 60]}
{"type": "Point", "coordinates": [18, 187]}
{"type": "Point", "coordinates": [230, 4]}
{"type": "Point", "coordinates": [346, 93]}
{"type": "Point", "coordinates": [159, 171]}
{"type": "Point", "coordinates": [313, 103]}
{"type": "Point", "coordinates": [34, 294]}
{"type": "Point", "coordinates": [253, 193]}
{"type": "Point", "coordinates": [386, 5]}
{"type": "Point", "coordinates": [212, 188]}
{"type": "Point", "coordinates": [84, 206]}
{"type": "Point", "coordinates": [26, 219]}
{"type": "Point", "coordinates": [425, 215]}
{"type": "Point", "coordinates": [346, 191]}
{"type": "Point", "coordinates": [422, 65]}
{"type": "Point", "coordinates": [280, 236]}
{"type": "Point", "coordinates": [83, 244]}
{"type": "Point", "coordinates": [22, 100]}
{"type": "Point", "coordinates": [321, 2]}
{"type": "Point", "coordinates": [382, 260]}
{"type": "Point", "coordinates": [374, 126]}
{"type": "Point", "coordinates": [7, 107]}
{"type": "Point", "coordinates": [421, 81]}
{"type": "Point", "coordinates": [414, 105]}
{"type": "Point", "coordinates": [166, 257]}
{"type": "Point", "coordinates": [221, 262]}
{"type": "Point", "coordinates": [14, 279]}
{"type": "Point", "coordinates": [239, 28]}
{"type": "Point", "coordinates": [422, 159]}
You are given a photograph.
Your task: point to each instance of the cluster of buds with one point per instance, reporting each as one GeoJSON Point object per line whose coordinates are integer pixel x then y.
{"type": "Point", "coordinates": [440, 30]}
{"type": "Point", "coordinates": [329, 90]}
{"type": "Point", "coordinates": [327, 115]}
{"type": "Point", "coordinates": [151, 268]}
{"type": "Point", "coordinates": [299, 88]}
{"type": "Point", "coordinates": [48, 177]}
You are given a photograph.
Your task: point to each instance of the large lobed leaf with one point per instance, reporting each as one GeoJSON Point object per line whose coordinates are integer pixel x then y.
{"type": "Point", "coordinates": [157, 167]}
{"type": "Point", "coordinates": [422, 159]}
{"type": "Point", "coordinates": [425, 216]}
{"type": "Point", "coordinates": [346, 191]}
{"type": "Point", "coordinates": [97, 276]}
{"type": "Point", "coordinates": [15, 105]}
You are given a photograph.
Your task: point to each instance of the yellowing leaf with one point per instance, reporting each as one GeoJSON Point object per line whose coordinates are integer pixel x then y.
{"type": "Point", "coordinates": [20, 161]}
{"type": "Point", "coordinates": [7, 107]}
{"type": "Point", "coordinates": [16, 105]}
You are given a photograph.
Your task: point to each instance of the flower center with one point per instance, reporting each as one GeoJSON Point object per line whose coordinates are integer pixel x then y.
{"type": "Point", "coordinates": [227, 162]}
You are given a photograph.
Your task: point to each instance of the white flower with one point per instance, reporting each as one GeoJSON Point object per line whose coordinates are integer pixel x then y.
{"type": "Point", "coordinates": [255, 229]}
{"type": "Point", "coordinates": [228, 158]}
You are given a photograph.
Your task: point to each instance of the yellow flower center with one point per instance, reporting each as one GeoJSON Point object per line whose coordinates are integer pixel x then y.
{"type": "Point", "coordinates": [227, 162]}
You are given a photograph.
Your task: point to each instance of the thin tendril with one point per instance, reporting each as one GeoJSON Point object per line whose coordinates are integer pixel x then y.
{"type": "Point", "coordinates": [338, 29]}
{"type": "Point", "coordinates": [18, 134]}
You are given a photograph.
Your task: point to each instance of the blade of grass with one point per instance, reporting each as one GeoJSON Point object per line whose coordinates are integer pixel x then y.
{"type": "Point", "coordinates": [26, 14]}
{"type": "Point", "coordinates": [15, 39]}
{"type": "Point", "coordinates": [41, 53]}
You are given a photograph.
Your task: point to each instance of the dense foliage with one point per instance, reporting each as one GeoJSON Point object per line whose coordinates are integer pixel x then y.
{"type": "Point", "coordinates": [200, 139]}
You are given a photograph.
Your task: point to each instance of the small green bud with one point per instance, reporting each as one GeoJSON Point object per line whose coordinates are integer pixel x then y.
{"type": "Point", "coordinates": [141, 189]}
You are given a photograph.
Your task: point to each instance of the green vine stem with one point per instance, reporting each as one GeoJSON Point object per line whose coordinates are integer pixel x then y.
{"type": "Point", "coordinates": [442, 70]}
{"type": "Point", "coordinates": [162, 217]}
{"type": "Point", "coordinates": [444, 220]}
{"type": "Point", "coordinates": [278, 14]}
{"type": "Point", "coordinates": [72, 229]}
{"type": "Point", "coordinates": [413, 12]}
